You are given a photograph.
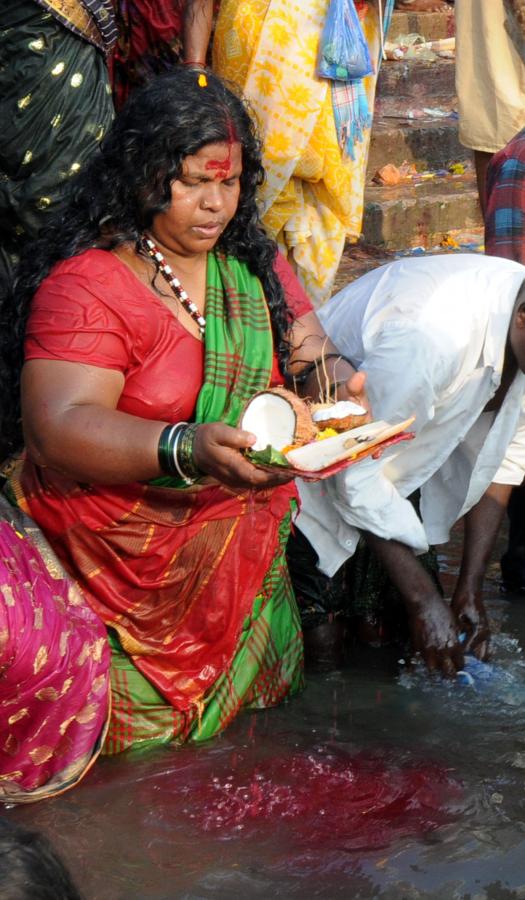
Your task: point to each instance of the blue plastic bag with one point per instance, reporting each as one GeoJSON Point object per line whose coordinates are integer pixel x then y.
{"type": "Point", "coordinates": [477, 673]}
{"type": "Point", "coordinates": [343, 52]}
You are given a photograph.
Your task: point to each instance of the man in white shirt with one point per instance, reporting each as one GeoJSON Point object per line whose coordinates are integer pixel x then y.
{"type": "Point", "coordinates": [441, 338]}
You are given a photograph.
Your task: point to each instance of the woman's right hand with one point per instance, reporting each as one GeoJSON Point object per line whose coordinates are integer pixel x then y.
{"type": "Point", "coordinates": [217, 452]}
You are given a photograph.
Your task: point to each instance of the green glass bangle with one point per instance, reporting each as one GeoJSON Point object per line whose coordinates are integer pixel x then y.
{"type": "Point", "coordinates": [167, 441]}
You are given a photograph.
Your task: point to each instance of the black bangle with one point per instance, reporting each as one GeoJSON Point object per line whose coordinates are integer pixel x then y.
{"type": "Point", "coordinates": [175, 451]}
{"type": "Point", "coordinates": [332, 389]}
{"type": "Point", "coordinates": [315, 365]}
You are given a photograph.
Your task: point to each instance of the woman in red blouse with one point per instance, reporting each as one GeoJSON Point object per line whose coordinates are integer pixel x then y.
{"type": "Point", "coordinates": [165, 308]}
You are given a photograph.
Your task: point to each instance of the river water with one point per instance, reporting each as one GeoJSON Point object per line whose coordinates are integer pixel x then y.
{"type": "Point", "coordinates": [374, 783]}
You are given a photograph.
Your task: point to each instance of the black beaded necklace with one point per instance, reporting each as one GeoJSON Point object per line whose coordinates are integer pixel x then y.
{"type": "Point", "coordinates": [174, 283]}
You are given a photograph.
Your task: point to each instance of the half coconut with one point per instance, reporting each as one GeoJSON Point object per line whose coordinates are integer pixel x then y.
{"type": "Point", "coordinates": [279, 419]}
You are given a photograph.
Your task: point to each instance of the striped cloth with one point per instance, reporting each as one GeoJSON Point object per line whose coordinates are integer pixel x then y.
{"type": "Point", "coordinates": [505, 216]}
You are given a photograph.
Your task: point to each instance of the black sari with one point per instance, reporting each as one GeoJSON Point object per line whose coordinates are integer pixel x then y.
{"type": "Point", "coordinates": [55, 107]}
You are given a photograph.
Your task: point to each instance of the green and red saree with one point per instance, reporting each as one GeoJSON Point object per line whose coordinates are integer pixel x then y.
{"type": "Point", "coordinates": [191, 581]}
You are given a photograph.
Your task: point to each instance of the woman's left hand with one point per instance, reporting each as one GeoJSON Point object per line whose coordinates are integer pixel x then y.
{"type": "Point", "coordinates": [217, 451]}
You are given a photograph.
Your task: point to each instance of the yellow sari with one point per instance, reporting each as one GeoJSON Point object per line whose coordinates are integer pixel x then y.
{"type": "Point", "coordinates": [312, 199]}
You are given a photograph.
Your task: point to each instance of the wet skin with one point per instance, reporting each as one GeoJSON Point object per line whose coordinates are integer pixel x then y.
{"type": "Point", "coordinates": [433, 628]}
{"type": "Point", "coordinates": [203, 202]}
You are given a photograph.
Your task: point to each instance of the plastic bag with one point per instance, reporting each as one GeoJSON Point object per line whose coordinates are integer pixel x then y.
{"type": "Point", "coordinates": [343, 48]}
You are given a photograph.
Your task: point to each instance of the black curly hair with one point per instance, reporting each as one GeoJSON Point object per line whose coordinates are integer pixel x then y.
{"type": "Point", "coordinates": [126, 184]}
{"type": "Point", "coordinates": [30, 869]}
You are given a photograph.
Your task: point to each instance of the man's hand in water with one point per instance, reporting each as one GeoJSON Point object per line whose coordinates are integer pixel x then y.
{"type": "Point", "coordinates": [433, 628]}
{"type": "Point", "coordinates": [435, 635]}
{"type": "Point", "coordinates": [470, 613]}
{"type": "Point", "coordinates": [481, 526]}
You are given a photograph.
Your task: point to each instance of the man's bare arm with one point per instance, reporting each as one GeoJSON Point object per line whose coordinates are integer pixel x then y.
{"type": "Point", "coordinates": [196, 30]}
{"type": "Point", "coordinates": [433, 630]}
{"type": "Point", "coordinates": [481, 526]}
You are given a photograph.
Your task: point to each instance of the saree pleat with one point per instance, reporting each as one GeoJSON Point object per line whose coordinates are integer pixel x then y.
{"type": "Point", "coordinates": [265, 669]}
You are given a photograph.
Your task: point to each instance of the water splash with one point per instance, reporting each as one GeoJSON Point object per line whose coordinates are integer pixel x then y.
{"type": "Point", "coordinates": [328, 796]}
{"type": "Point", "coordinates": [498, 684]}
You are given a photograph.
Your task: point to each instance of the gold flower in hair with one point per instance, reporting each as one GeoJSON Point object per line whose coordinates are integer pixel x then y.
{"type": "Point", "coordinates": [202, 80]}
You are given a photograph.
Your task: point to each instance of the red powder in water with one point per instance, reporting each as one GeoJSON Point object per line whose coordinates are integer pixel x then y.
{"type": "Point", "coordinates": [358, 802]}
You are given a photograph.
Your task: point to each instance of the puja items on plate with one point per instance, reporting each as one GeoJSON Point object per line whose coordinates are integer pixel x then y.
{"type": "Point", "coordinates": [340, 416]}
{"type": "Point", "coordinates": [310, 437]}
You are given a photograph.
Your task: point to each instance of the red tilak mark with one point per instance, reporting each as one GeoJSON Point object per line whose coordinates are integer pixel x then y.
{"type": "Point", "coordinates": [222, 167]}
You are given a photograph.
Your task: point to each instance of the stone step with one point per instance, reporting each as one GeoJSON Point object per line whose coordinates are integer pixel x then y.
{"type": "Point", "coordinates": [420, 213]}
{"type": "Point", "coordinates": [432, 26]}
{"type": "Point", "coordinates": [360, 258]}
{"type": "Point", "coordinates": [415, 83]}
{"type": "Point", "coordinates": [430, 143]}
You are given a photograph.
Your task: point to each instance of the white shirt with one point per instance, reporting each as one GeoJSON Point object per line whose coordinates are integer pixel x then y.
{"type": "Point", "coordinates": [430, 332]}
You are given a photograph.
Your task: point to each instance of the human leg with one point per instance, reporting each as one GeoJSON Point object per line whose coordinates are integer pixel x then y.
{"type": "Point", "coordinates": [359, 604]}
{"type": "Point", "coordinates": [266, 667]}
{"type": "Point", "coordinates": [513, 560]}
{"type": "Point", "coordinates": [432, 627]}
{"type": "Point", "coordinates": [322, 605]}
{"type": "Point", "coordinates": [481, 163]}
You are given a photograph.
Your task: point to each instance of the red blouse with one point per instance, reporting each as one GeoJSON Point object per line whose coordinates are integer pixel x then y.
{"type": "Point", "coordinates": [93, 309]}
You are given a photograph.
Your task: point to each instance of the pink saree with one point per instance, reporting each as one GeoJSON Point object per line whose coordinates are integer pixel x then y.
{"type": "Point", "coordinates": [54, 669]}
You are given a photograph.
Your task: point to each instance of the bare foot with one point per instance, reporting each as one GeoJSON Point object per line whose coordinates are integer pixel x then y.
{"type": "Point", "coordinates": [422, 6]}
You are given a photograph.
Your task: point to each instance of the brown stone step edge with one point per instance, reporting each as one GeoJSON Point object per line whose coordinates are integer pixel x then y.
{"type": "Point", "coordinates": [428, 144]}
{"type": "Point", "coordinates": [432, 25]}
{"type": "Point", "coordinates": [360, 258]}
